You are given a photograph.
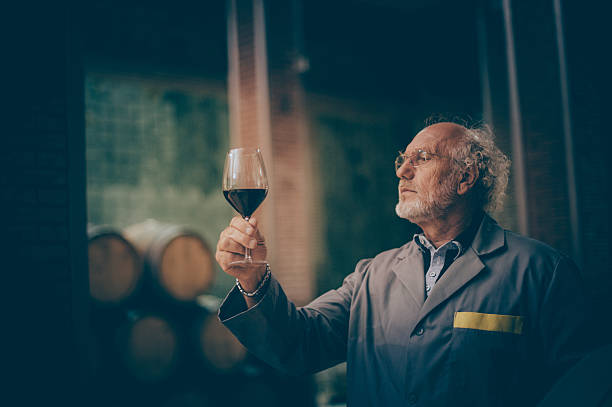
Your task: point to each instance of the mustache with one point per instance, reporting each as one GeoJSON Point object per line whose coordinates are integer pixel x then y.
{"type": "Point", "coordinates": [405, 184]}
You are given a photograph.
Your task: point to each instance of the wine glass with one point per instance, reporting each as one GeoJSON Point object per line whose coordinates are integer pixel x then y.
{"type": "Point", "coordinates": [245, 186]}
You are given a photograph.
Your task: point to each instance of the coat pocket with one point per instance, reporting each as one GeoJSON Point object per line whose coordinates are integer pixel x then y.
{"type": "Point", "coordinates": [489, 322]}
{"type": "Point", "coordinates": [486, 358]}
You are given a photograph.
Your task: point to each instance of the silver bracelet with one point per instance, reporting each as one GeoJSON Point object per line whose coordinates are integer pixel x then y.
{"type": "Point", "coordinates": [259, 287]}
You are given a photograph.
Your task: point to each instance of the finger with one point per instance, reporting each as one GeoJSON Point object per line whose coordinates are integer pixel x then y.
{"type": "Point", "coordinates": [225, 258]}
{"type": "Point", "coordinates": [249, 228]}
{"type": "Point", "coordinates": [238, 236]}
{"type": "Point", "coordinates": [242, 232]}
{"type": "Point", "coordinates": [242, 225]}
{"type": "Point", "coordinates": [244, 239]}
{"type": "Point", "coordinates": [237, 270]}
{"type": "Point", "coordinates": [227, 244]}
{"type": "Point", "coordinates": [261, 240]}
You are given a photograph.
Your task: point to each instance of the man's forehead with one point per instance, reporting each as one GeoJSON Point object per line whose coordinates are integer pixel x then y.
{"type": "Point", "coordinates": [424, 141]}
{"type": "Point", "coordinates": [434, 136]}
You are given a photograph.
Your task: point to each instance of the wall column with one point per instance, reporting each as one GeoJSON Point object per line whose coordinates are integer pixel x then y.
{"type": "Point", "coordinates": [267, 110]}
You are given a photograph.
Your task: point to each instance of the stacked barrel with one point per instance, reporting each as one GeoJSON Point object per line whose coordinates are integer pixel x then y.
{"type": "Point", "coordinates": [156, 336]}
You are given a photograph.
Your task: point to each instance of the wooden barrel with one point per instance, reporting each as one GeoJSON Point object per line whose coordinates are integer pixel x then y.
{"type": "Point", "coordinates": [216, 345]}
{"type": "Point", "coordinates": [148, 345]}
{"type": "Point", "coordinates": [177, 258]}
{"type": "Point", "coordinates": [115, 267]}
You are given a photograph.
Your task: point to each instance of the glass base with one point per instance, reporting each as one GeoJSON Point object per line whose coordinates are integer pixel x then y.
{"type": "Point", "coordinates": [248, 264]}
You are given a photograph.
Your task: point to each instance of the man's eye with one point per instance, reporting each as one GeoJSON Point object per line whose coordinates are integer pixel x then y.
{"type": "Point", "coordinates": [421, 157]}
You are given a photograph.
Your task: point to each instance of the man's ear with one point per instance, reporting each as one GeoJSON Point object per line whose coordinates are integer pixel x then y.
{"type": "Point", "coordinates": [468, 179]}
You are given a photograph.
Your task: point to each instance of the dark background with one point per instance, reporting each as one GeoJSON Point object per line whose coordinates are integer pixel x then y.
{"type": "Point", "coordinates": [377, 70]}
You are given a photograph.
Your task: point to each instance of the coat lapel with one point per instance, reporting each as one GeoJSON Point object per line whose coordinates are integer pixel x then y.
{"type": "Point", "coordinates": [488, 238]}
{"type": "Point", "coordinates": [409, 270]}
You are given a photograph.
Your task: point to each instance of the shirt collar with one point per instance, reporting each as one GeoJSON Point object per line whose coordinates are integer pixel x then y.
{"type": "Point", "coordinates": [425, 246]}
{"type": "Point", "coordinates": [461, 242]}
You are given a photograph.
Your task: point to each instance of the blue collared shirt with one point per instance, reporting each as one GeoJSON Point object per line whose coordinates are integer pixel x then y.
{"type": "Point", "coordinates": [436, 263]}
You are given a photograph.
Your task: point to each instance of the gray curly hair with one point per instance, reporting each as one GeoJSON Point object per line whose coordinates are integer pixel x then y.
{"type": "Point", "coordinates": [477, 147]}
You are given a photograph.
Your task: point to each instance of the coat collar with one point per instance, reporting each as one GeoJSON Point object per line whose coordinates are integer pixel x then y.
{"type": "Point", "coordinates": [490, 236]}
{"type": "Point", "coordinates": [409, 268]}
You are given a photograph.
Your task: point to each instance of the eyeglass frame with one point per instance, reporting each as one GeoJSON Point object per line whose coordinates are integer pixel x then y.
{"type": "Point", "coordinates": [408, 158]}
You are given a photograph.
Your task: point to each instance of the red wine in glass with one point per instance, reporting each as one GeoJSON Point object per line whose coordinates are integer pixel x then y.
{"type": "Point", "coordinates": [245, 186]}
{"type": "Point", "coordinates": [245, 200]}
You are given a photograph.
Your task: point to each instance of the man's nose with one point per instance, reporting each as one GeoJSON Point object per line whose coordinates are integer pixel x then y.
{"type": "Point", "coordinates": [405, 171]}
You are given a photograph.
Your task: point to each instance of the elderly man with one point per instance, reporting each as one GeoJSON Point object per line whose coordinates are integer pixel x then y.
{"type": "Point", "coordinates": [465, 313]}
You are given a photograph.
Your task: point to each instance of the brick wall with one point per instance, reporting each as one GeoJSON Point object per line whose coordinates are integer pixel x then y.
{"type": "Point", "coordinates": [248, 114]}
{"type": "Point", "coordinates": [540, 87]}
{"type": "Point", "coordinates": [42, 203]}
{"type": "Point", "coordinates": [541, 110]}
{"type": "Point", "coordinates": [540, 102]}
{"type": "Point", "coordinates": [291, 147]}
{"type": "Point", "coordinates": [270, 114]}
{"type": "Point", "coordinates": [584, 39]}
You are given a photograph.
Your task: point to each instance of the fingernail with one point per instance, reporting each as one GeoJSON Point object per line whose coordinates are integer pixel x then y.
{"type": "Point", "coordinates": [249, 230]}
{"type": "Point", "coordinates": [253, 221]}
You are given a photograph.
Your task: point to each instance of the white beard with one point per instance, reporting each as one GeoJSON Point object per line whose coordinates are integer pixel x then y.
{"type": "Point", "coordinates": [415, 210]}
{"type": "Point", "coordinates": [433, 205]}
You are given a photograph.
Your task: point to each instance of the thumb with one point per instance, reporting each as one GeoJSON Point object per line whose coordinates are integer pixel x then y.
{"type": "Point", "coordinates": [258, 235]}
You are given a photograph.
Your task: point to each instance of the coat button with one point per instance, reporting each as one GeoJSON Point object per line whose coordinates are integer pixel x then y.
{"type": "Point", "coordinates": [420, 331]}
{"type": "Point", "coordinates": [412, 398]}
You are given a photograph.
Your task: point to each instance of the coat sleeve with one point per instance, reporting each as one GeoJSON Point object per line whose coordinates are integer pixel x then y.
{"type": "Point", "coordinates": [296, 340]}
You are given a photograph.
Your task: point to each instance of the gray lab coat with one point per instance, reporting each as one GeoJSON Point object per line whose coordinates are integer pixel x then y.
{"type": "Point", "coordinates": [501, 324]}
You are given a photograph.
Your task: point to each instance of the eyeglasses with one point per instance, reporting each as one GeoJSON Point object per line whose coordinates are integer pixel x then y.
{"type": "Point", "coordinates": [415, 159]}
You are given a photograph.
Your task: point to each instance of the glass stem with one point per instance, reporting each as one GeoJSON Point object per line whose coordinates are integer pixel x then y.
{"type": "Point", "coordinates": [247, 251]}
